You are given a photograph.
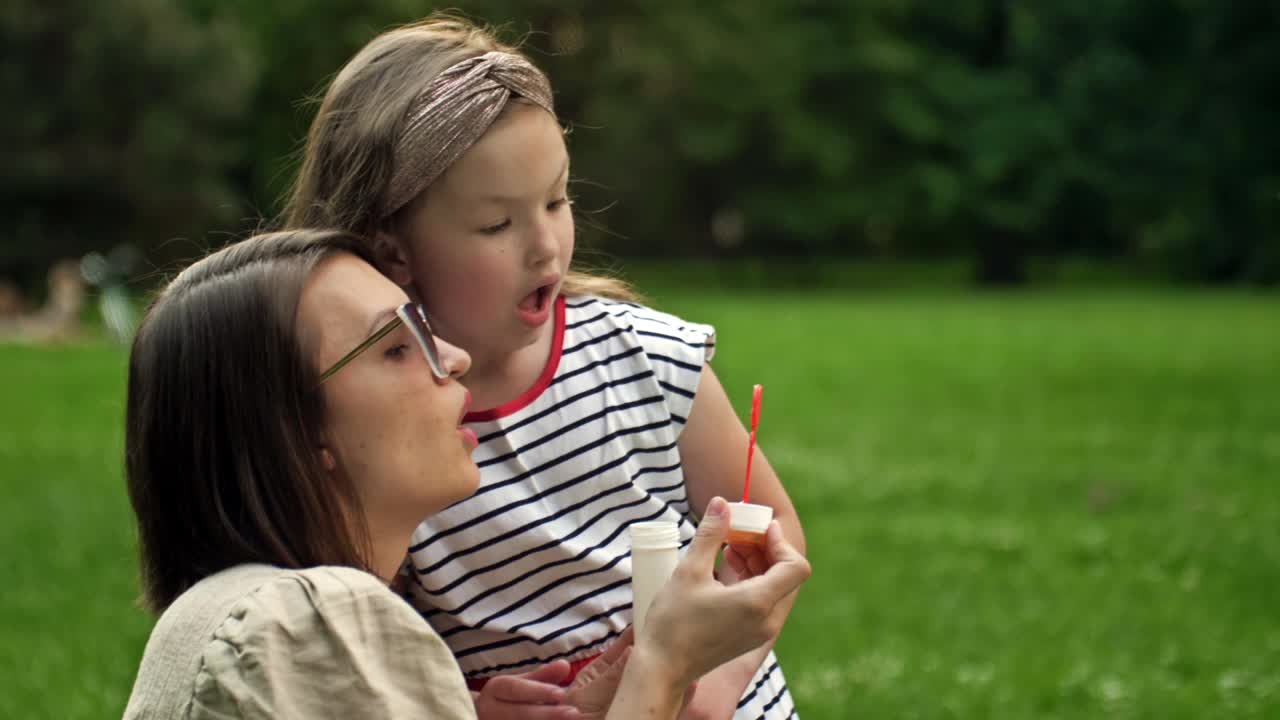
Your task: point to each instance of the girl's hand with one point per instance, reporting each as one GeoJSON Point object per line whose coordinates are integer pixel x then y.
{"type": "Point", "coordinates": [697, 623]}
{"type": "Point", "coordinates": [535, 695]}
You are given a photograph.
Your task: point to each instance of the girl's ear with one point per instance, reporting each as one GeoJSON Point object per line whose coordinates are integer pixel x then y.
{"type": "Point", "coordinates": [391, 257]}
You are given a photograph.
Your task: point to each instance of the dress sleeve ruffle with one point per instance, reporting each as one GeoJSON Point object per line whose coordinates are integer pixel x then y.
{"type": "Point", "coordinates": [327, 642]}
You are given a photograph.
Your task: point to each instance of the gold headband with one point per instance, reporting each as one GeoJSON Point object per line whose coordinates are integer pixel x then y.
{"type": "Point", "coordinates": [451, 114]}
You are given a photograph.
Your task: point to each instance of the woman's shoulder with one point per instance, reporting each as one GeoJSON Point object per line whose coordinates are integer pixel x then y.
{"type": "Point", "coordinates": [244, 587]}
{"type": "Point", "coordinates": [328, 641]}
{"type": "Point", "coordinates": [182, 632]}
{"type": "Point", "coordinates": [252, 597]}
{"type": "Point", "coordinates": [260, 600]}
{"type": "Point", "coordinates": [254, 627]}
{"type": "Point", "coordinates": [270, 609]}
{"type": "Point", "coordinates": [193, 615]}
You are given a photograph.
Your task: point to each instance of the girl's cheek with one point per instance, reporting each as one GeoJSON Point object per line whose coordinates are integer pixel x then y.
{"type": "Point", "coordinates": [474, 288]}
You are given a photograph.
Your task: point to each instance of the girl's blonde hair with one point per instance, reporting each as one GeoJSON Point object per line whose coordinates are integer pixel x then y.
{"type": "Point", "coordinates": [349, 158]}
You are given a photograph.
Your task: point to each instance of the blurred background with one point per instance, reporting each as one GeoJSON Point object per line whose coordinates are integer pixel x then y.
{"type": "Point", "coordinates": [1052, 500]}
{"type": "Point", "coordinates": [1000, 133]}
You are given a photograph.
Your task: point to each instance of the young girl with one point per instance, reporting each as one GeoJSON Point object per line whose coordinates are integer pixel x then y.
{"type": "Point", "coordinates": [442, 148]}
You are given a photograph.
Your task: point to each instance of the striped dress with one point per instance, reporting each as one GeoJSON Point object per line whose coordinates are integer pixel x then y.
{"type": "Point", "coordinates": [535, 566]}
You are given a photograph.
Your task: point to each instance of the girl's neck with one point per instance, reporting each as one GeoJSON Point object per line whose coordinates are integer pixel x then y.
{"type": "Point", "coordinates": [498, 378]}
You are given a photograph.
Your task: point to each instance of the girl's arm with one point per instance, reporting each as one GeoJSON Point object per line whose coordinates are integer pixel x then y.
{"type": "Point", "coordinates": [713, 451]}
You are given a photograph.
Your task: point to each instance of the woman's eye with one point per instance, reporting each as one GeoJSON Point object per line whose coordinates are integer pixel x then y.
{"type": "Point", "coordinates": [559, 203]}
{"type": "Point", "coordinates": [396, 352]}
{"type": "Point", "coordinates": [495, 229]}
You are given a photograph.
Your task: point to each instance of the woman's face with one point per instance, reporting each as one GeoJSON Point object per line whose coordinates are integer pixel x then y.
{"type": "Point", "coordinates": [390, 424]}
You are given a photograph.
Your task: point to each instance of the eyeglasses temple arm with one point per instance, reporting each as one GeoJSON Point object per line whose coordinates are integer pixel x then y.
{"type": "Point", "coordinates": [391, 325]}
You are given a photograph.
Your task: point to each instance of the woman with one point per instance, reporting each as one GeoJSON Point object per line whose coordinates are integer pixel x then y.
{"type": "Point", "coordinates": [283, 400]}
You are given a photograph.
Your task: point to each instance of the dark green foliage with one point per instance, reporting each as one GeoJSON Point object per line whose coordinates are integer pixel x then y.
{"type": "Point", "coordinates": [122, 123]}
{"type": "Point", "coordinates": [1129, 130]}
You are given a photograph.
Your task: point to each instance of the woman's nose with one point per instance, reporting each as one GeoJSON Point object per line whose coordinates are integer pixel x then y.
{"type": "Point", "coordinates": [455, 360]}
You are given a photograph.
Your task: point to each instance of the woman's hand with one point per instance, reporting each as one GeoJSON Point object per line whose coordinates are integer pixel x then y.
{"type": "Point", "coordinates": [697, 623]}
{"type": "Point", "coordinates": [593, 689]}
{"type": "Point", "coordinates": [746, 561]}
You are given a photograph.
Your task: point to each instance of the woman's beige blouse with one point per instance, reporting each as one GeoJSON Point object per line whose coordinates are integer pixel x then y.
{"type": "Point", "coordinates": [261, 642]}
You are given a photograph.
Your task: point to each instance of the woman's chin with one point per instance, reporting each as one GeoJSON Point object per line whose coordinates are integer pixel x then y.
{"type": "Point", "coordinates": [472, 484]}
{"type": "Point", "coordinates": [463, 487]}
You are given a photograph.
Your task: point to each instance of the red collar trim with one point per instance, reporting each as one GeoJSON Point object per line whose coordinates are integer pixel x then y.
{"type": "Point", "coordinates": [543, 381]}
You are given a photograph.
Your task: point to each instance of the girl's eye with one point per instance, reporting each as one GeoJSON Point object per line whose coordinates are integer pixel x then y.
{"type": "Point", "coordinates": [559, 203]}
{"type": "Point", "coordinates": [495, 229]}
{"type": "Point", "coordinates": [395, 352]}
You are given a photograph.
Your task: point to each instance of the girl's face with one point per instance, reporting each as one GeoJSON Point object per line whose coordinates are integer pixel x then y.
{"type": "Point", "coordinates": [488, 244]}
{"type": "Point", "coordinates": [390, 424]}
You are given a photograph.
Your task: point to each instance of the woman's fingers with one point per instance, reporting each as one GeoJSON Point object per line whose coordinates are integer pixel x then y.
{"type": "Point", "coordinates": [735, 557]}
{"type": "Point", "coordinates": [712, 531]}
{"type": "Point", "coordinates": [747, 560]}
{"type": "Point", "coordinates": [786, 569]}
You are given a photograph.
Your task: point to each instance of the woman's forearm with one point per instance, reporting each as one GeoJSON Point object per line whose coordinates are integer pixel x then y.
{"type": "Point", "coordinates": [650, 689]}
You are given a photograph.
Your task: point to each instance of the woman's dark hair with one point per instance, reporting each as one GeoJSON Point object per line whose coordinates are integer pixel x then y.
{"type": "Point", "coordinates": [222, 427]}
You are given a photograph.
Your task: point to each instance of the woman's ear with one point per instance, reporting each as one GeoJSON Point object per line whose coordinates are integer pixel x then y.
{"type": "Point", "coordinates": [390, 255]}
{"type": "Point", "coordinates": [327, 459]}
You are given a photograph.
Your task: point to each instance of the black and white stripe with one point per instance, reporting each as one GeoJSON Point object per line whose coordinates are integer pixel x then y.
{"type": "Point", "coordinates": [536, 566]}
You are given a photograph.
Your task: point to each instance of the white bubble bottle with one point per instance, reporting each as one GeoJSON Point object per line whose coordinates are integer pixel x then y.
{"type": "Point", "coordinates": [655, 548]}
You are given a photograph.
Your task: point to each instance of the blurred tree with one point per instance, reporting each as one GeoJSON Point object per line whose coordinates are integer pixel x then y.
{"type": "Point", "coordinates": [1133, 129]}
{"type": "Point", "coordinates": [300, 45]}
{"type": "Point", "coordinates": [123, 121]}
{"type": "Point", "coordinates": [1170, 153]}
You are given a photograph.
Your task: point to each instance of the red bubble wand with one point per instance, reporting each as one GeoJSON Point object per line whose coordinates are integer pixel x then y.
{"type": "Point", "coordinates": [756, 393]}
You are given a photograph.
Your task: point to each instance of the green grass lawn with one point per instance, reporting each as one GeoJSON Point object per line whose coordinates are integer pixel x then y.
{"type": "Point", "coordinates": [1045, 505]}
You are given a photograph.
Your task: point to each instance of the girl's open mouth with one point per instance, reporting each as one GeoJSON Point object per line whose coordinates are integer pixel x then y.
{"type": "Point", "coordinates": [536, 300]}
{"type": "Point", "coordinates": [535, 308]}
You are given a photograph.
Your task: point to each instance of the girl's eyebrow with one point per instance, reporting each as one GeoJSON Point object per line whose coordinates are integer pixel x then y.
{"type": "Point", "coordinates": [564, 170]}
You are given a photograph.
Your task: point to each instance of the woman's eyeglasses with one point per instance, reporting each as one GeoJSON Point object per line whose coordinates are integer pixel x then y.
{"type": "Point", "coordinates": [411, 315]}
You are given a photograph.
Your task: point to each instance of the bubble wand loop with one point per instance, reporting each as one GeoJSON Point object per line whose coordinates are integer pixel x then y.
{"type": "Point", "coordinates": [756, 393]}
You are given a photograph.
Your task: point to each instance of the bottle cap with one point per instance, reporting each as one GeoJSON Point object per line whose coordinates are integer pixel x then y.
{"type": "Point", "coordinates": [749, 517]}
{"type": "Point", "coordinates": [657, 535]}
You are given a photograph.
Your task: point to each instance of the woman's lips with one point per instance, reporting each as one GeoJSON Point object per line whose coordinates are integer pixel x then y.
{"type": "Point", "coordinates": [469, 437]}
